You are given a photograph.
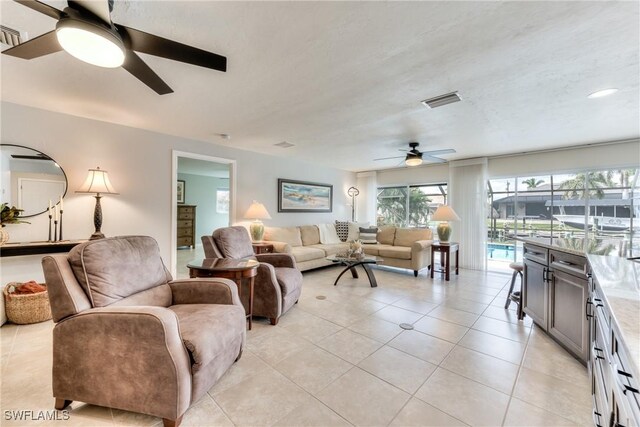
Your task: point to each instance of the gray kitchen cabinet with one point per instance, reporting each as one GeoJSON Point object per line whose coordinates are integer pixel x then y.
{"type": "Point", "coordinates": [555, 294]}
{"type": "Point", "coordinates": [535, 290]}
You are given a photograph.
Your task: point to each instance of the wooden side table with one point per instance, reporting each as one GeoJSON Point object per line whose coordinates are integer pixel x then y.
{"type": "Point", "coordinates": [262, 248]}
{"type": "Point", "coordinates": [445, 250]}
{"type": "Point", "coordinates": [227, 268]}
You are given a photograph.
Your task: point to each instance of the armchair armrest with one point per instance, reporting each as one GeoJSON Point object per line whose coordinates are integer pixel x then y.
{"type": "Point", "coordinates": [277, 260]}
{"type": "Point", "coordinates": [205, 291]}
{"type": "Point", "coordinates": [280, 247]}
{"type": "Point", "coordinates": [126, 352]}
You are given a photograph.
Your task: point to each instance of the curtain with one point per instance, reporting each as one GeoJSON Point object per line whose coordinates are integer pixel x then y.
{"type": "Point", "coordinates": [367, 200]}
{"type": "Point", "coordinates": [468, 197]}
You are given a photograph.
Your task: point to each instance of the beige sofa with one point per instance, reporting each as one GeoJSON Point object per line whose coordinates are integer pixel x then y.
{"type": "Point", "coordinates": [398, 247]}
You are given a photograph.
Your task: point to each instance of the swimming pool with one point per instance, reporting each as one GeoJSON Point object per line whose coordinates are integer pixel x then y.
{"type": "Point", "coordinates": [502, 252]}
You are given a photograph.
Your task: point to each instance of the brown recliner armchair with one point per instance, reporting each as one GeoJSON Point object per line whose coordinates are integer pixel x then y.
{"type": "Point", "coordinates": [278, 284]}
{"type": "Point", "coordinates": [129, 337]}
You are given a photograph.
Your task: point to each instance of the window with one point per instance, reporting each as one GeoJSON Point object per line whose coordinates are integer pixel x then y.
{"type": "Point", "coordinates": [599, 205]}
{"type": "Point", "coordinates": [222, 201]}
{"type": "Point", "coordinates": [409, 206]}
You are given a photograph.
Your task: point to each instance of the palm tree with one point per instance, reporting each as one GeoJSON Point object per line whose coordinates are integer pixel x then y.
{"type": "Point", "coordinates": [532, 183]}
{"type": "Point", "coordinates": [392, 207]}
{"type": "Point", "coordinates": [595, 182]}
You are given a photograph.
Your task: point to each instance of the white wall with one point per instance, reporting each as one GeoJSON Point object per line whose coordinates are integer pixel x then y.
{"type": "Point", "coordinates": [427, 174]}
{"type": "Point", "coordinates": [139, 165]}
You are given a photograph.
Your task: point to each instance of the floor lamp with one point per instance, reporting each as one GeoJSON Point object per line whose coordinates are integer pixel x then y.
{"type": "Point", "coordinates": [353, 192]}
{"type": "Point", "coordinates": [97, 182]}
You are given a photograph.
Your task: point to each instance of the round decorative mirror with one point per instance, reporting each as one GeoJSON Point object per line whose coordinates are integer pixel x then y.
{"type": "Point", "coordinates": [30, 179]}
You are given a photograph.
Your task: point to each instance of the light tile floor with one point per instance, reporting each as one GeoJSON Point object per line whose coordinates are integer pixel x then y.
{"type": "Point", "coordinates": [344, 360]}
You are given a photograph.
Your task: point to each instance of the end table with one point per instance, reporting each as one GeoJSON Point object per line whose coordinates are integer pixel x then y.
{"type": "Point", "coordinates": [262, 248]}
{"type": "Point", "coordinates": [445, 249]}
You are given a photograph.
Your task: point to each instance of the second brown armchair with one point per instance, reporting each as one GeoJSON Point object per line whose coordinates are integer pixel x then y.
{"type": "Point", "coordinates": [278, 284]}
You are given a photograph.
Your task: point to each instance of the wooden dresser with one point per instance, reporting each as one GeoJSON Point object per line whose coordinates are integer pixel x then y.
{"type": "Point", "coordinates": [186, 225]}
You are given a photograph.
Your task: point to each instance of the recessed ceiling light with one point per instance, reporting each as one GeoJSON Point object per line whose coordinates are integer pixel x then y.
{"type": "Point", "coordinates": [603, 92]}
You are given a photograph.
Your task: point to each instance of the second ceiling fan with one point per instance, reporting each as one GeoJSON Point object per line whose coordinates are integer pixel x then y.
{"type": "Point", "coordinates": [85, 30]}
{"type": "Point", "coordinates": [414, 157]}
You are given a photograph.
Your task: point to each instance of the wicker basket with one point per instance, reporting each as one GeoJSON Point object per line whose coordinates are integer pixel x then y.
{"type": "Point", "coordinates": [27, 308]}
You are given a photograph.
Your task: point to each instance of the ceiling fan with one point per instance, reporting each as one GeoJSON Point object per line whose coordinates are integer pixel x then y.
{"type": "Point", "coordinates": [85, 30]}
{"type": "Point", "coordinates": [416, 158]}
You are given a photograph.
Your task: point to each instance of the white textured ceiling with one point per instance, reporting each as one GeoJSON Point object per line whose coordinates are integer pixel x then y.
{"type": "Point", "coordinates": [343, 81]}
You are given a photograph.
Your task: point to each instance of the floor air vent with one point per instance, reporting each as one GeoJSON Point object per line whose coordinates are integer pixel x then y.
{"type": "Point", "coordinates": [441, 100]}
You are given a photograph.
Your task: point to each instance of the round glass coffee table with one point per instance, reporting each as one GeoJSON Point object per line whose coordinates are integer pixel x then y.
{"type": "Point", "coordinates": [351, 264]}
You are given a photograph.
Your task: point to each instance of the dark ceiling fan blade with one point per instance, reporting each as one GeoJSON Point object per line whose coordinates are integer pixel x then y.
{"type": "Point", "coordinates": [136, 66]}
{"type": "Point", "coordinates": [432, 159]}
{"type": "Point", "coordinates": [165, 48]}
{"type": "Point", "coordinates": [439, 152]}
{"type": "Point", "coordinates": [98, 8]}
{"type": "Point", "coordinates": [42, 8]}
{"type": "Point", "coordinates": [34, 48]}
{"type": "Point", "coordinates": [388, 158]}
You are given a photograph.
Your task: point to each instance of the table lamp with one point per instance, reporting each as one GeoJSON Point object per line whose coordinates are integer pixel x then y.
{"type": "Point", "coordinates": [97, 182]}
{"type": "Point", "coordinates": [444, 214]}
{"type": "Point", "coordinates": [257, 212]}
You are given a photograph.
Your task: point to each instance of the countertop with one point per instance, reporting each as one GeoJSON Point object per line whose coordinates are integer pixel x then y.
{"type": "Point", "coordinates": [582, 247]}
{"type": "Point", "coordinates": [619, 281]}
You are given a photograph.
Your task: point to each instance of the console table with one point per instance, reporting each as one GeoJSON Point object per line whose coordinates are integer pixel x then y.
{"type": "Point", "coordinates": [37, 248]}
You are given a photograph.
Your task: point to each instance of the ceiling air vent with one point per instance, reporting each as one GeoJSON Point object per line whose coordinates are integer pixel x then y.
{"type": "Point", "coordinates": [284, 144]}
{"type": "Point", "coordinates": [9, 36]}
{"type": "Point", "coordinates": [441, 100]}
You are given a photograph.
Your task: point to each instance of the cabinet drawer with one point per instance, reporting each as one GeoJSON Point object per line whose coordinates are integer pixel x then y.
{"type": "Point", "coordinates": [185, 241]}
{"type": "Point", "coordinates": [185, 223]}
{"type": "Point", "coordinates": [536, 253]}
{"type": "Point", "coordinates": [185, 232]}
{"type": "Point", "coordinates": [569, 263]}
{"type": "Point", "coordinates": [190, 209]}
{"type": "Point", "coordinates": [185, 215]}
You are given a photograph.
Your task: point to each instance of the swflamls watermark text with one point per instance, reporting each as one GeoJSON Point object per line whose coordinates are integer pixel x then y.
{"type": "Point", "coordinates": [30, 415]}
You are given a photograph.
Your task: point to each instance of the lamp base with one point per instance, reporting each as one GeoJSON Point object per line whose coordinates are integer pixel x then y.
{"type": "Point", "coordinates": [257, 231]}
{"type": "Point", "coordinates": [97, 235]}
{"type": "Point", "coordinates": [444, 232]}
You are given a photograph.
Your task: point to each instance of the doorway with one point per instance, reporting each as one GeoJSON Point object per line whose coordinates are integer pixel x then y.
{"type": "Point", "coordinates": [203, 198]}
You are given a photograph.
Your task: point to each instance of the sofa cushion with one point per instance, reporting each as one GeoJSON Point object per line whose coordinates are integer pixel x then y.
{"type": "Point", "coordinates": [386, 235]}
{"type": "Point", "coordinates": [370, 249]}
{"type": "Point", "coordinates": [304, 253]}
{"type": "Point", "coordinates": [225, 325]}
{"type": "Point", "coordinates": [233, 242]}
{"type": "Point", "coordinates": [328, 234]}
{"type": "Point", "coordinates": [289, 279]}
{"type": "Point", "coordinates": [290, 235]}
{"type": "Point", "coordinates": [332, 249]}
{"type": "Point", "coordinates": [368, 236]}
{"type": "Point", "coordinates": [406, 236]}
{"type": "Point", "coordinates": [398, 252]}
{"type": "Point", "coordinates": [112, 269]}
{"type": "Point", "coordinates": [309, 235]}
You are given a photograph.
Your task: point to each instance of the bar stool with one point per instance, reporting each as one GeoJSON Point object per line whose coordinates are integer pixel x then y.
{"type": "Point", "coordinates": [517, 268]}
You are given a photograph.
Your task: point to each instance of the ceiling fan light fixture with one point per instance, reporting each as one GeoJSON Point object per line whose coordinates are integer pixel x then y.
{"type": "Point", "coordinates": [413, 160]}
{"type": "Point", "coordinates": [91, 43]}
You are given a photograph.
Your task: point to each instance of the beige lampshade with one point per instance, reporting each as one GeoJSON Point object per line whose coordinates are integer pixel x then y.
{"type": "Point", "coordinates": [97, 182]}
{"type": "Point", "coordinates": [445, 213]}
{"type": "Point", "coordinates": [257, 211]}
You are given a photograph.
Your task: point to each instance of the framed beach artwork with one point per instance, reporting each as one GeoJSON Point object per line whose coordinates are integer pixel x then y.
{"type": "Point", "coordinates": [301, 196]}
{"type": "Point", "coordinates": [180, 191]}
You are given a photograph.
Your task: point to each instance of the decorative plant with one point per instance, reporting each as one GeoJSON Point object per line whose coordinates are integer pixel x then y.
{"type": "Point", "coordinates": [10, 215]}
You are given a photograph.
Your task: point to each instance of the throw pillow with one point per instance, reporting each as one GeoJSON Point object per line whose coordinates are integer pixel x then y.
{"type": "Point", "coordinates": [368, 235]}
{"type": "Point", "coordinates": [342, 228]}
{"type": "Point", "coordinates": [328, 235]}
{"type": "Point", "coordinates": [354, 230]}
